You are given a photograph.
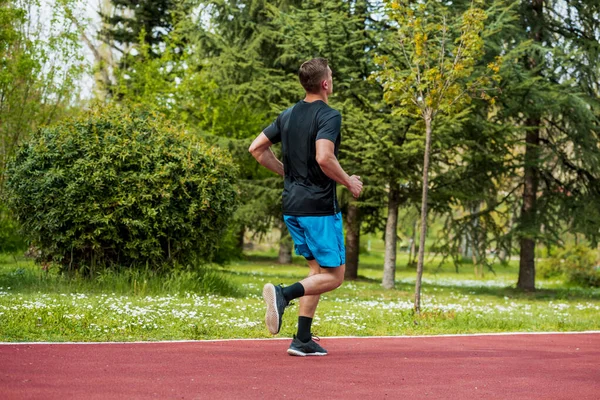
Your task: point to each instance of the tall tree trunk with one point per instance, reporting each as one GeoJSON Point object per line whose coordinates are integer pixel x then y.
{"type": "Point", "coordinates": [389, 264]}
{"type": "Point", "coordinates": [528, 210]}
{"type": "Point", "coordinates": [428, 120]}
{"type": "Point", "coordinates": [285, 245]}
{"type": "Point", "coordinates": [352, 240]}
{"type": "Point", "coordinates": [532, 140]}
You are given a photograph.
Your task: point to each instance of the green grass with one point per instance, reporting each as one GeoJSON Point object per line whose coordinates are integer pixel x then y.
{"type": "Point", "coordinates": [225, 302]}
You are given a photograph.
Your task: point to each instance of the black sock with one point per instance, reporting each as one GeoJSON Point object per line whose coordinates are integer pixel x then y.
{"type": "Point", "coordinates": [293, 291]}
{"type": "Point", "coordinates": [304, 324]}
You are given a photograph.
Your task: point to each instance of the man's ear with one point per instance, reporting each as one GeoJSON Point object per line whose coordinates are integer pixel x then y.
{"type": "Point", "coordinates": [324, 84]}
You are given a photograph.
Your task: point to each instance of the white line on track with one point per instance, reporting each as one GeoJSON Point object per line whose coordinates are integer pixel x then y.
{"type": "Point", "coordinates": [324, 337]}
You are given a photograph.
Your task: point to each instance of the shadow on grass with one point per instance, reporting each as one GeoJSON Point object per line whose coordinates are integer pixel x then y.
{"type": "Point", "coordinates": [566, 293]}
{"type": "Point", "coordinates": [274, 276]}
{"type": "Point", "coordinates": [260, 258]}
{"type": "Point", "coordinates": [26, 278]}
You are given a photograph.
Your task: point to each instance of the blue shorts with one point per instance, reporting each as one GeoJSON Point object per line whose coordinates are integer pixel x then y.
{"type": "Point", "coordinates": [318, 238]}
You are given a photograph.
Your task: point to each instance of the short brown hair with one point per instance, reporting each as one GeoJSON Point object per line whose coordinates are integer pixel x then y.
{"type": "Point", "coordinates": [311, 73]}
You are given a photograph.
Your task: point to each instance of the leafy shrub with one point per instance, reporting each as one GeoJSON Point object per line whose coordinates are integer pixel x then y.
{"type": "Point", "coordinates": [122, 187]}
{"type": "Point", "coordinates": [576, 263]}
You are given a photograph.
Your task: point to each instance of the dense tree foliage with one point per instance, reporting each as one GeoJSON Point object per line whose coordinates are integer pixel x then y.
{"type": "Point", "coordinates": [509, 169]}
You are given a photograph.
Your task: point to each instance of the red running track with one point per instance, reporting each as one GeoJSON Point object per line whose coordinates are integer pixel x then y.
{"type": "Point", "coordinates": [540, 366]}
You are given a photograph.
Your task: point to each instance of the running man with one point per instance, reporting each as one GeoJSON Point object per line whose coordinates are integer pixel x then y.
{"type": "Point", "coordinates": [310, 136]}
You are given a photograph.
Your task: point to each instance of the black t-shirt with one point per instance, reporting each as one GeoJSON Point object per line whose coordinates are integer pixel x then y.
{"type": "Point", "coordinates": [307, 190]}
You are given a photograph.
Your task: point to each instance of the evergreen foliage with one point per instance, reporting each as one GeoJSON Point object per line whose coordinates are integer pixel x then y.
{"type": "Point", "coordinates": [234, 53]}
{"type": "Point", "coordinates": [538, 140]}
{"type": "Point", "coordinates": [119, 187]}
{"type": "Point", "coordinates": [474, 190]}
{"type": "Point", "coordinates": [10, 239]}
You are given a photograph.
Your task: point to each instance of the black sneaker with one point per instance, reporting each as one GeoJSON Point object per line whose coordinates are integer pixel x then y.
{"type": "Point", "coordinates": [310, 348]}
{"type": "Point", "coordinates": [276, 304]}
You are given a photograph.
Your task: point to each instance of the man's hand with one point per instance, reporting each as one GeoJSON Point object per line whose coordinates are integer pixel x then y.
{"type": "Point", "coordinates": [355, 186]}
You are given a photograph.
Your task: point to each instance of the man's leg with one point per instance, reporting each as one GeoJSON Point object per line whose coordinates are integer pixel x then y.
{"type": "Point", "coordinates": [309, 303]}
{"type": "Point", "coordinates": [308, 306]}
{"type": "Point", "coordinates": [319, 280]}
{"type": "Point", "coordinates": [326, 280]}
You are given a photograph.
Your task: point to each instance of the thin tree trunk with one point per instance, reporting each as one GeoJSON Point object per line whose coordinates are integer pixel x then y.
{"type": "Point", "coordinates": [475, 266]}
{"type": "Point", "coordinates": [413, 245]}
{"type": "Point", "coordinates": [102, 54]}
{"type": "Point", "coordinates": [428, 121]}
{"type": "Point", "coordinates": [389, 264]}
{"type": "Point", "coordinates": [532, 140]}
{"type": "Point", "coordinates": [478, 241]}
{"type": "Point", "coordinates": [285, 245]}
{"type": "Point", "coordinates": [352, 240]}
{"type": "Point", "coordinates": [466, 246]}
{"type": "Point", "coordinates": [240, 239]}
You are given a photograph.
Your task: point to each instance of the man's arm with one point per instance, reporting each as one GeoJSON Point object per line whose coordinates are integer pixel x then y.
{"type": "Point", "coordinates": [261, 150]}
{"type": "Point", "coordinates": [331, 167]}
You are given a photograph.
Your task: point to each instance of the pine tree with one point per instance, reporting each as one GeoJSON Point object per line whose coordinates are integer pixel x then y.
{"type": "Point", "coordinates": [534, 169]}
{"type": "Point", "coordinates": [132, 22]}
{"type": "Point", "coordinates": [560, 117]}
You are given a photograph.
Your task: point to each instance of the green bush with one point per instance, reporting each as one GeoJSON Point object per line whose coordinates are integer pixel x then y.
{"type": "Point", "coordinates": [577, 264]}
{"type": "Point", "coordinates": [122, 187]}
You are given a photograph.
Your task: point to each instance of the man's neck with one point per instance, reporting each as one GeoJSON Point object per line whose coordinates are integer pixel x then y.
{"type": "Point", "coordinates": [310, 97]}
